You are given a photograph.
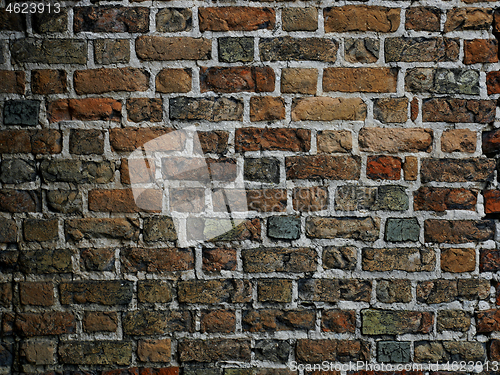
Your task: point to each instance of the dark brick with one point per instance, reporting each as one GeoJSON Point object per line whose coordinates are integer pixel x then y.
{"type": "Point", "coordinates": [98, 259]}
{"type": "Point", "coordinates": [115, 19]}
{"type": "Point", "coordinates": [118, 228]}
{"type": "Point", "coordinates": [159, 48]}
{"type": "Point", "coordinates": [339, 257]}
{"type": "Point", "coordinates": [46, 261]}
{"type": "Point", "coordinates": [144, 109]}
{"type": "Point", "coordinates": [86, 141]}
{"type": "Point", "coordinates": [394, 352]}
{"type": "Point", "coordinates": [210, 229]}
{"type": "Point", "coordinates": [16, 171]}
{"type": "Point", "coordinates": [457, 170]}
{"type": "Point", "coordinates": [173, 20]}
{"type": "Point", "coordinates": [41, 229]}
{"type": "Point", "coordinates": [77, 171]}
{"type": "Point", "coordinates": [154, 291]}
{"type": "Point", "coordinates": [46, 323]}
{"type": "Point", "coordinates": [442, 199]}
{"type": "Point", "coordinates": [50, 22]}
{"type": "Point", "coordinates": [100, 292]}
{"type": "Point", "coordinates": [111, 51]}
{"type": "Point", "coordinates": [48, 81]}
{"type": "Point", "coordinates": [403, 259]}
{"type": "Point", "coordinates": [421, 49]}
{"type": "Point", "coordinates": [96, 352]}
{"type": "Point", "coordinates": [214, 291]}
{"type": "Point", "coordinates": [279, 260]}
{"type": "Point", "coordinates": [213, 350]}
{"type": "Point", "coordinates": [49, 51]}
{"type": "Point", "coordinates": [159, 228]}
{"type": "Point", "coordinates": [21, 112]}
{"type": "Point", "coordinates": [392, 291]}
{"type": "Point", "coordinates": [360, 228]}
{"type": "Point", "coordinates": [283, 227]}
{"type": "Point", "coordinates": [65, 201]}
{"type": "Point", "coordinates": [423, 19]}
{"type": "Point", "coordinates": [272, 139]}
{"type": "Point", "coordinates": [215, 142]}
{"type": "Point", "coordinates": [210, 109]}
{"type": "Point", "coordinates": [19, 201]}
{"type": "Point", "coordinates": [272, 350]}
{"type": "Point", "coordinates": [157, 260]}
{"type": "Point", "coordinates": [236, 49]}
{"type": "Point", "coordinates": [458, 231]}
{"type": "Point", "coordinates": [316, 351]}
{"type": "Point", "coordinates": [237, 79]}
{"type": "Point", "coordinates": [334, 290]}
{"type": "Point", "coordinates": [314, 167]}
{"type": "Point", "coordinates": [458, 110]}
{"type": "Point", "coordinates": [388, 322]}
{"type": "Point", "coordinates": [10, 21]}
{"type": "Point", "coordinates": [400, 230]}
{"type": "Point", "coordinates": [277, 320]}
{"type": "Point", "coordinates": [294, 49]}
{"type": "Point", "coordinates": [8, 230]}
{"type": "Point", "coordinates": [156, 322]}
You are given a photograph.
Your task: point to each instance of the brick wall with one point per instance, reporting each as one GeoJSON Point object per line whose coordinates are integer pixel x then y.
{"type": "Point", "coordinates": [363, 134]}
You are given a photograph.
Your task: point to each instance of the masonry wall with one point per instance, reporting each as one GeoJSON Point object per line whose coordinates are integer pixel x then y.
{"type": "Point", "coordinates": [364, 133]}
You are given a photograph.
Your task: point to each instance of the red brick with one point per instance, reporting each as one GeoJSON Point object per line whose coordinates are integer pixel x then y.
{"type": "Point", "coordinates": [157, 260]}
{"type": "Point", "coordinates": [493, 82]}
{"type": "Point", "coordinates": [118, 228]}
{"type": "Point", "coordinates": [47, 81]}
{"type": "Point", "coordinates": [480, 51]}
{"type": "Point", "coordinates": [265, 108]}
{"type": "Point", "coordinates": [339, 321]}
{"type": "Point", "coordinates": [46, 323]}
{"type": "Point", "coordinates": [215, 142]}
{"type": "Point", "coordinates": [361, 18]}
{"type": "Point", "coordinates": [489, 260]}
{"type": "Point", "coordinates": [488, 321]}
{"type": "Point", "coordinates": [236, 18]}
{"type": "Point", "coordinates": [458, 110]}
{"type": "Point", "coordinates": [100, 321]}
{"type": "Point", "coordinates": [272, 139]}
{"type": "Point", "coordinates": [19, 201]}
{"type": "Point", "coordinates": [458, 231]}
{"type": "Point", "coordinates": [468, 19]}
{"type": "Point", "coordinates": [360, 79]}
{"type": "Point", "coordinates": [414, 109]}
{"type": "Point", "coordinates": [173, 80]}
{"type": "Point", "coordinates": [237, 79]}
{"type": "Point", "coordinates": [122, 200]}
{"type": "Point", "coordinates": [423, 19]}
{"type": "Point", "coordinates": [114, 19]}
{"type": "Point", "coordinates": [90, 109]}
{"type": "Point", "coordinates": [36, 293]}
{"type": "Point", "coordinates": [172, 48]}
{"type": "Point", "coordinates": [328, 109]}
{"type": "Point", "coordinates": [160, 371]}
{"type": "Point", "coordinates": [458, 260]}
{"type": "Point", "coordinates": [218, 259]}
{"type": "Point", "coordinates": [383, 167]}
{"type": "Point", "coordinates": [267, 320]}
{"type": "Point", "coordinates": [223, 321]}
{"type": "Point", "coordinates": [128, 139]}
{"type": "Point", "coordinates": [330, 167]}
{"type": "Point", "coordinates": [98, 81]}
{"type": "Point", "coordinates": [12, 82]}
{"type": "Point", "coordinates": [441, 199]}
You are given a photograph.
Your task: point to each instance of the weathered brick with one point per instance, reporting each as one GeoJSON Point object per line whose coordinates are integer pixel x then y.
{"type": "Point", "coordinates": [9, 261]}
{"type": "Point", "coordinates": [107, 19]}
{"type": "Point", "coordinates": [458, 110]}
{"type": "Point", "coordinates": [144, 109]}
{"type": "Point", "coordinates": [213, 350]}
{"type": "Point", "coordinates": [218, 259]}
{"type": "Point", "coordinates": [8, 230]}
{"type": "Point", "coordinates": [172, 20]}
{"type": "Point", "coordinates": [314, 167]}
{"type": "Point", "coordinates": [236, 230]}
{"type": "Point", "coordinates": [359, 228]}
{"type": "Point", "coordinates": [401, 259]}
{"type": "Point", "coordinates": [100, 292]}
{"type": "Point", "coordinates": [86, 141]}
{"type": "Point", "coordinates": [187, 200]}
{"type": "Point", "coordinates": [49, 51]}
{"type": "Point", "coordinates": [316, 351]}
{"type": "Point", "coordinates": [272, 350]}
{"type": "Point", "coordinates": [117, 228]}
{"type": "Point", "coordinates": [279, 260]}
{"type": "Point", "coordinates": [98, 81]}
{"type": "Point", "coordinates": [457, 170]}
{"type": "Point", "coordinates": [441, 199]}
{"type": "Point", "coordinates": [388, 322]}
{"type": "Point", "coordinates": [154, 350]}
{"type": "Point", "coordinates": [38, 352]}
{"type": "Point", "coordinates": [361, 50]}
{"type": "Point", "coordinates": [423, 19]}
{"type": "Point", "coordinates": [283, 227]}
{"type": "Point", "coordinates": [97, 259]}
{"type": "Point", "coordinates": [272, 139]}
{"type": "Point", "coordinates": [480, 51]}
{"type": "Point", "coordinates": [458, 231]}
{"type": "Point", "coordinates": [458, 140]}
{"type": "Point", "coordinates": [361, 18]}
{"type": "Point", "coordinates": [400, 230]}
{"type": "Point", "coordinates": [5, 294]}
{"type": "Point", "coordinates": [36, 293]}
{"type": "Point", "coordinates": [493, 82]}
{"type": "Point", "coordinates": [421, 49]}
{"type": "Point", "coordinates": [330, 141]}
{"type": "Point", "coordinates": [392, 291]}
{"type": "Point", "coordinates": [338, 321]}
{"type": "Point", "coordinates": [439, 291]}
{"type": "Point", "coordinates": [45, 324]}
{"type": "Point", "coordinates": [237, 79]}
{"type": "Point", "coordinates": [262, 170]}
{"type": "Point", "coordinates": [41, 229]}
{"type": "Point", "coordinates": [50, 22]}
{"type": "Point", "coordinates": [12, 82]}
{"type": "Point", "coordinates": [310, 199]}
{"type": "Point", "coordinates": [274, 290]}
{"type": "Point", "coordinates": [17, 171]}
{"type": "Point", "coordinates": [277, 320]}
{"type": "Point", "coordinates": [159, 228]}
{"type": "Point", "coordinates": [489, 260]}
{"type": "Point", "coordinates": [236, 18]}
{"type": "Point", "coordinates": [12, 21]}
{"type": "Point", "coordinates": [111, 51]}
{"type": "Point", "coordinates": [488, 321]}
{"type": "Point", "coordinates": [386, 197]}
{"type": "Point", "coordinates": [474, 289]}
{"type": "Point", "coordinates": [414, 109]}
{"type": "Point", "coordinates": [266, 200]}
{"type": "Point", "coordinates": [459, 19]}
{"type": "Point", "coordinates": [89, 109]}
{"type": "Point", "coordinates": [77, 171]}
{"type": "Point", "coordinates": [223, 321]}
{"type": "Point", "coordinates": [293, 49]}
{"type": "Point", "coordinates": [157, 260]}
{"type": "Point", "coordinates": [360, 79]}
{"type": "Point", "coordinates": [21, 112]}
{"type": "Point", "coordinates": [214, 291]}
{"type": "Point", "coordinates": [123, 200]}
{"type": "Point", "coordinates": [441, 351]}
{"type": "Point", "coordinates": [129, 139]}
{"type": "Point", "coordinates": [210, 109]}
{"type": "Point", "coordinates": [340, 257]}
{"type": "Point", "coordinates": [154, 291]}
{"type": "Point", "coordinates": [48, 81]}
{"type": "Point", "coordinates": [100, 321]}
{"type": "Point", "coordinates": [453, 320]}
{"type": "Point", "coordinates": [442, 81]}
{"type": "Point", "coordinates": [19, 200]}
{"type": "Point", "coordinates": [46, 261]}
{"type": "Point", "coordinates": [238, 49]}
{"type": "Point", "coordinates": [173, 80]}
{"type": "Point", "coordinates": [334, 290]}
{"type": "Point", "coordinates": [299, 80]}
{"type": "Point", "coordinates": [328, 109]}
{"type": "Point", "coordinates": [383, 167]}
{"type": "Point", "coordinates": [64, 201]}
{"type": "Point", "coordinates": [395, 140]}
{"type": "Point", "coordinates": [95, 352]}
{"type": "Point", "coordinates": [299, 19]}
{"type": "Point", "coordinates": [458, 260]}
{"type": "Point", "coordinates": [172, 48]}
{"type": "Point", "coordinates": [394, 352]}
{"type": "Point", "coordinates": [389, 110]}
{"type": "Point", "coordinates": [157, 322]}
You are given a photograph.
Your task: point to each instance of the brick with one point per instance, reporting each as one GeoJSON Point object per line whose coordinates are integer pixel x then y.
{"type": "Point", "coordinates": [17, 171]}
{"type": "Point", "coordinates": [401, 230]}
{"type": "Point", "coordinates": [423, 19]}
{"type": "Point", "coordinates": [49, 51]}
{"type": "Point", "coordinates": [237, 79]}
{"type": "Point", "coordinates": [459, 19]}
{"type": "Point", "coordinates": [442, 199]}
{"type": "Point", "coordinates": [387, 197]}
{"type": "Point", "coordinates": [211, 109]}
{"type": "Point", "coordinates": [283, 227]}
{"type": "Point", "coordinates": [19, 201]}
{"type": "Point", "coordinates": [48, 81]}
{"type": "Point", "coordinates": [212, 350]}
{"type": "Point", "coordinates": [328, 109]}
{"type": "Point", "coordinates": [491, 142]}
{"type": "Point", "coordinates": [173, 20]}
{"type": "Point", "coordinates": [36, 293]}
{"type": "Point", "coordinates": [258, 139]}
{"type": "Point", "coordinates": [331, 141]}
{"type": "Point", "coordinates": [117, 228]}
{"type": "Point", "coordinates": [77, 171]}
{"type": "Point", "coordinates": [314, 167]}
{"type": "Point", "coordinates": [442, 350]}
{"type": "Point", "coordinates": [299, 80]}
{"type": "Point", "coordinates": [38, 352]}
{"type": "Point", "coordinates": [154, 350]}
{"type": "Point", "coordinates": [41, 229]}
{"type": "Point", "coordinates": [265, 200]}
{"type": "Point", "coordinates": [392, 291]}
{"type": "Point", "coordinates": [414, 109]}
{"type": "Point", "coordinates": [98, 81]}
{"type": "Point", "coordinates": [95, 352]}
{"type": "Point", "coordinates": [108, 19]}
{"type": "Point", "coordinates": [279, 260]}
{"type": "Point", "coordinates": [214, 291]}
{"type": "Point", "coordinates": [16, 141]}
{"type": "Point", "coordinates": [45, 324]}
{"type": "Point", "coordinates": [360, 79]}
{"type": "Point", "coordinates": [262, 170]}
{"type": "Point", "coordinates": [173, 80]}
{"type": "Point", "coordinates": [437, 291]}
{"type": "Point", "coordinates": [215, 142]}
{"type": "Point", "coordinates": [395, 140]}
{"type": "Point", "coordinates": [111, 51]}
{"type": "Point", "coordinates": [218, 259]}
{"type": "Point", "coordinates": [383, 167]}
{"type": "Point", "coordinates": [299, 19]}
{"type": "Point", "coordinates": [154, 291]}
{"type": "Point", "coordinates": [453, 320]}
{"type": "Point", "coordinates": [493, 82]}
{"type": "Point", "coordinates": [359, 228]}
{"type": "Point", "coordinates": [89, 109]}
{"type": "Point", "coordinates": [457, 170]}
{"type": "Point", "coordinates": [46, 261]}
{"type": "Point", "coordinates": [443, 81]}
{"type": "Point", "coordinates": [64, 201]}
{"type": "Point", "coordinates": [159, 228]}
{"type": "Point", "coordinates": [97, 259]}
{"type": "Point", "coordinates": [272, 350]}
{"type": "Point", "coordinates": [480, 51]}
{"type": "Point", "coordinates": [421, 49]}
{"type": "Point", "coordinates": [210, 229]}
{"type": "Point", "coordinates": [388, 322]}
{"type": "Point", "coordinates": [401, 259]}
{"type": "Point", "coordinates": [458, 260]}
{"type": "Point", "coordinates": [458, 110]}
{"type": "Point", "coordinates": [277, 320]}
{"type": "Point", "coordinates": [361, 18]}
{"type": "Point", "coordinates": [12, 82]}
{"type": "Point", "coordinates": [187, 200]}
{"type": "Point", "coordinates": [123, 200]}
{"type": "Point", "coordinates": [5, 295]}
{"type": "Point", "coordinates": [100, 321]}
{"type": "Point", "coordinates": [161, 48]}
{"type": "Point", "coordinates": [339, 257]}
{"type": "Point", "coordinates": [362, 50]}
{"type": "Point", "coordinates": [316, 351]}
{"type": "Point", "coordinates": [489, 260]}
{"type": "Point", "coordinates": [394, 352]}
{"type": "Point", "coordinates": [294, 49]}
{"type": "Point", "coordinates": [9, 260]}
{"type": "Point", "coordinates": [101, 292]}
{"type": "Point", "coordinates": [236, 18]}
{"type": "Point", "coordinates": [10, 21]}
{"type": "Point", "coordinates": [21, 112]}
{"type": "Point", "coordinates": [50, 22]}
{"type": "Point", "coordinates": [223, 321]}
{"type": "Point", "coordinates": [156, 322]}
{"type": "Point", "coordinates": [144, 109]}
{"type": "Point", "coordinates": [8, 230]}
{"type": "Point", "coordinates": [274, 290]}
{"type": "Point", "coordinates": [238, 49]}
{"type": "Point", "coordinates": [390, 110]}
{"type": "Point", "coordinates": [338, 321]}
{"type": "Point", "coordinates": [310, 199]}
{"type": "Point", "coordinates": [458, 231]}
{"type": "Point", "coordinates": [129, 139]}
{"type": "Point", "coordinates": [458, 140]}
{"type": "Point", "coordinates": [86, 141]}
{"type": "Point", "coordinates": [488, 321]}
{"type": "Point", "coordinates": [474, 289]}
{"type": "Point", "coordinates": [157, 260]}
{"type": "Point", "coordinates": [334, 290]}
